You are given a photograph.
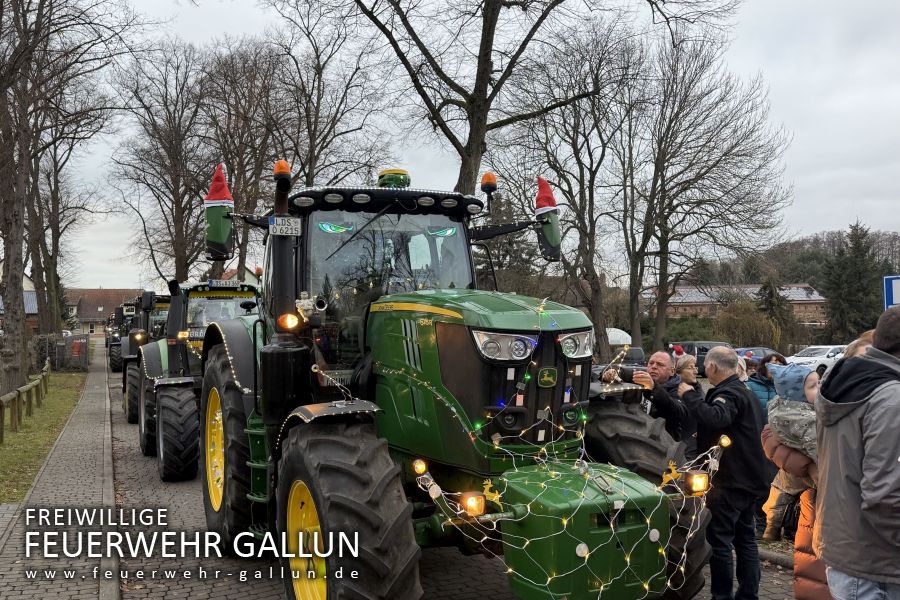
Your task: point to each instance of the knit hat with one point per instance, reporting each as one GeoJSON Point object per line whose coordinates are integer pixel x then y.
{"type": "Point", "coordinates": [545, 202]}
{"type": "Point", "coordinates": [789, 380]}
{"type": "Point", "coordinates": [219, 194]}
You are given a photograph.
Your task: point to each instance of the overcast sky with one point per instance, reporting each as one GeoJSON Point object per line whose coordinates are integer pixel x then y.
{"type": "Point", "coordinates": [832, 68]}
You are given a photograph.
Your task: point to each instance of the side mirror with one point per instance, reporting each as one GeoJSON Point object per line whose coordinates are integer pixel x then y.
{"type": "Point", "coordinates": [248, 305]}
{"type": "Point", "coordinates": [147, 301]}
{"type": "Point", "coordinates": [549, 235]}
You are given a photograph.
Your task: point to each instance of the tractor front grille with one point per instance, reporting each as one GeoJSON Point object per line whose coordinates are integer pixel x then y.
{"type": "Point", "coordinates": [497, 395]}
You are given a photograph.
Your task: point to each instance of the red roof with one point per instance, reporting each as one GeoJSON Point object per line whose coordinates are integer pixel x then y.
{"type": "Point", "coordinates": [97, 304]}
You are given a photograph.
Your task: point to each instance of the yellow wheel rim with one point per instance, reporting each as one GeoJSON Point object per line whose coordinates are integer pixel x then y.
{"type": "Point", "coordinates": [215, 449]}
{"type": "Point", "coordinates": [302, 517]}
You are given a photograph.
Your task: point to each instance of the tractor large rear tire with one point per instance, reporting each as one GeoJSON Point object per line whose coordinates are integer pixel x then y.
{"type": "Point", "coordinates": [177, 433]}
{"type": "Point", "coordinates": [115, 358]}
{"type": "Point", "coordinates": [347, 475]}
{"type": "Point", "coordinates": [147, 419]}
{"type": "Point", "coordinates": [132, 395]}
{"type": "Point", "coordinates": [624, 435]}
{"type": "Point", "coordinates": [229, 482]}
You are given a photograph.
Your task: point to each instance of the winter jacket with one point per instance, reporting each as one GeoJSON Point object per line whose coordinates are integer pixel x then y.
{"type": "Point", "coordinates": [665, 403]}
{"type": "Point", "coordinates": [731, 409]}
{"type": "Point", "coordinates": [809, 571]}
{"type": "Point", "coordinates": [795, 424]}
{"type": "Point", "coordinates": [858, 502]}
{"type": "Point", "coordinates": [763, 389]}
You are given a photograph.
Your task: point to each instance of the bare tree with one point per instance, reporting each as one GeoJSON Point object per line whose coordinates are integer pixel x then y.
{"type": "Point", "coordinates": [572, 145]}
{"type": "Point", "coordinates": [162, 171]}
{"type": "Point", "coordinates": [328, 98]}
{"type": "Point", "coordinates": [460, 57]}
{"type": "Point", "coordinates": [46, 46]}
{"type": "Point", "coordinates": [237, 120]}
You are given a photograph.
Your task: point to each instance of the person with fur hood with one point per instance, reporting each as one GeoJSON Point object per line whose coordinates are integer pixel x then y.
{"type": "Point", "coordinates": [857, 530]}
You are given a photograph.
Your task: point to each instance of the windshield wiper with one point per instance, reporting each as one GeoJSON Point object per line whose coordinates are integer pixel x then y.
{"type": "Point", "coordinates": [358, 231]}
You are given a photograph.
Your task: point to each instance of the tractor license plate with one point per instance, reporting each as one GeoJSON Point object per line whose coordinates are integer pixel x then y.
{"type": "Point", "coordinates": [284, 226]}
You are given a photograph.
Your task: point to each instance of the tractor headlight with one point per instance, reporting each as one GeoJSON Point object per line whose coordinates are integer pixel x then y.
{"type": "Point", "coordinates": [577, 345]}
{"type": "Point", "coordinates": [504, 346]}
{"type": "Point", "coordinates": [696, 483]}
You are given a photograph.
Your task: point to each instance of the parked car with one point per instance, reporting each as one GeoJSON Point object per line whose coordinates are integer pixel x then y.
{"type": "Point", "coordinates": [699, 349]}
{"type": "Point", "coordinates": [756, 352]}
{"type": "Point", "coordinates": [817, 358]}
{"type": "Point", "coordinates": [634, 358]}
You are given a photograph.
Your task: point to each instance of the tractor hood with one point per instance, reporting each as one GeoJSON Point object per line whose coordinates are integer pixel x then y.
{"type": "Point", "coordinates": [490, 310]}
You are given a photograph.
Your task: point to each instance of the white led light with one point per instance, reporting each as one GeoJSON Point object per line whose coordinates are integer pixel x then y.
{"type": "Point", "coordinates": [334, 198]}
{"type": "Point", "coordinates": [473, 209]}
{"type": "Point", "coordinates": [304, 201]}
{"type": "Point", "coordinates": [361, 198]}
{"type": "Point", "coordinates": [426, 201]}
{"type": "Point", "coordinates": [449, 202]}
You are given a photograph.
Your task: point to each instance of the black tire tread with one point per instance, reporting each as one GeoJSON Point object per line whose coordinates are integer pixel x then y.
{"type": "Point", "coordinates": [131, 397]}
{"type": "Point", "coordinates": [357, 487]}
{"type": "Point", "coordinates": [177, 434]}
{"type": "Point", "coordinates": [115, 358]}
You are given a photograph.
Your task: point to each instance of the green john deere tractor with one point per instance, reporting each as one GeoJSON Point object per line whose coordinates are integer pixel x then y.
{"type": "Point", "coordinates": [167, 371]}
{"type": "Point", "coordinates": [123, 317]}
{"type": "Point", "coordinates": [147, 325]}
{"type": "Point", "coordinates": [380, 393]}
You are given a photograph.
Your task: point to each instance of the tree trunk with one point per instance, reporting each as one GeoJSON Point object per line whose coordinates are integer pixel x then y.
{"type": "Point", "coordinates": [470, 163]}
{"type": "Point", "coordinates": [635, 283]}
{"type": "Point", "coordinates": [598, 317]}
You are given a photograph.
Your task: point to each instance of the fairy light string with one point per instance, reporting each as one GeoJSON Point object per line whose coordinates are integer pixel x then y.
{"type": "Point", "coordinates": [555, 462]}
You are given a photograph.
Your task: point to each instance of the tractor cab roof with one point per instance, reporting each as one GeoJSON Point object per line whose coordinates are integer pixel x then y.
{"type": "Point", "coordinates": [387, 199]}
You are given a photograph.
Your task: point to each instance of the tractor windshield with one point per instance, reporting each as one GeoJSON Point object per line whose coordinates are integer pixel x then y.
{"type": "Point", "coordinates": [158, 317]}
{"type": "Point", "coordinates": [393, 253]}
{"type": "Point", "coordinates": [207, 307]}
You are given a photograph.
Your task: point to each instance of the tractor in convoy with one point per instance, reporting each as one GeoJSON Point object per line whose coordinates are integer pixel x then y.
{"type": "Point", "coordinates": [122, 318]}
{"type": "Point", "coordinates": [379, 392]}
{"type": "Point", "coordinates": [146, 326]}
{"type": "Point", "coordinates": [164, 380]}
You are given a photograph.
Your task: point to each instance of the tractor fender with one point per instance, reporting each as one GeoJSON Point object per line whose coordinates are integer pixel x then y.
{"type": "Point", "coordinates": [337, 410]}
{"type": "Point", "coordinates": [238, 344]}
{"type": "Point", "coordinates": [172, 382]}
{"type": "Point", "coordinates": [125, 349]}
{"type": "Point", "coordinates": [151, 360]}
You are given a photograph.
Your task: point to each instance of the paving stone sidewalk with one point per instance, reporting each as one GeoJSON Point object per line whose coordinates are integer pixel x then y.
{"type": "Point", "coordinates": [72, 476]}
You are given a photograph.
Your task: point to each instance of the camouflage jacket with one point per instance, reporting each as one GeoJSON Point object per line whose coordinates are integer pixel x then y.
{"type": "Point", "coordinates": [795, 425]}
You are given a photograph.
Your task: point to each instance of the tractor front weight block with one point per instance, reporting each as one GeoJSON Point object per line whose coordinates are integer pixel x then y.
{"type": "Point", "coordinates": [579, 529]}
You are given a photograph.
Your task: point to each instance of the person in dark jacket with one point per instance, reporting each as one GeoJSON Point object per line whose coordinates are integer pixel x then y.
{"type": "Point", "coordinates": [731, 409]}
{"type": "Point", "coordinates": [857, 530]}
{"type": "Point", "coordinates": [661, 389]}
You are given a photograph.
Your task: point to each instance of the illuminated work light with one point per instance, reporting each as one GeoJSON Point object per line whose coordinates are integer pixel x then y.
{"type": "Point", "coordinates": [138, 337]}
{"type": "Point", "coordinates": [426, 201]}
{"type": "Point", "coordinates": [419, 466]}
{"type": "Point", "coordinates": [288, 321]}
{"type": "Point", "coordinates": [473, 502]}
{"type": "Point", "coordinates": [183, 335]}
{"type": "Point", "coordinates": [697, 482]}
{"type": "Point", "coordinates": [724, 441]}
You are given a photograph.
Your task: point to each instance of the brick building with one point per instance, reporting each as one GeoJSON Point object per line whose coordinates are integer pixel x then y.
{"type": "Point", "coordinates": [807, 304]}
{"type": "Point", "coordinates": [91, 307]}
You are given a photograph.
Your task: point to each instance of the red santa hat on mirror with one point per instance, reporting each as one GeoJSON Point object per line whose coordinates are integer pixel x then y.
{"type": "Point", "coordinates": [544, 202]}
{"type": "Point", "coordinates": [219, 194]}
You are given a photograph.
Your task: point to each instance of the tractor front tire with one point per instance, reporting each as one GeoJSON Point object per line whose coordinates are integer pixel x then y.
{"type": "Point", "coordinates": [132, 395]}
{"type": "Point", "coordinates": [339, 478]}
{"type": "Point", "coordinates": [147, 419]}
{"type": "Point", "coordinates": [624, 435]}
{"type": "Point", "coordinates": [115, 358]}
{"type": "Point", "coordinates": [177, 433]}
{"type": "Point", "coordinates": [225, 471]}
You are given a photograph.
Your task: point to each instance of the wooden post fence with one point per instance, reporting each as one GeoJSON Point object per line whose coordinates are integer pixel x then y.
{"type": "Point", "coordinates": [22, 401]}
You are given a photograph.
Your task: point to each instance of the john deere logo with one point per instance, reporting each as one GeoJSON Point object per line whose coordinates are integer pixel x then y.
{"type": "Point", "coordinates": [547, 377]}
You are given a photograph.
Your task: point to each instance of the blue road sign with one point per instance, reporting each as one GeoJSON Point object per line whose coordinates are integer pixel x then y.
{"type": "Point", "coordinates": [891, 291]}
